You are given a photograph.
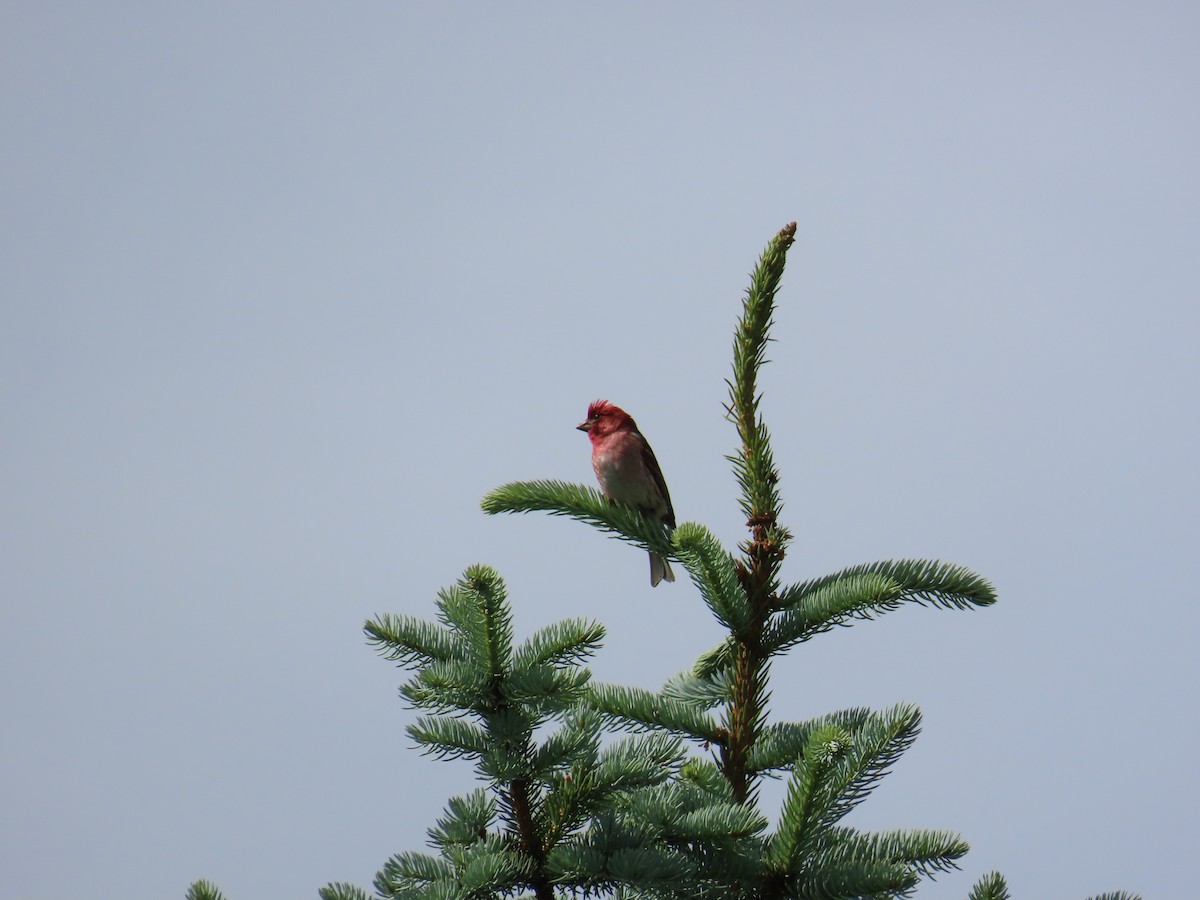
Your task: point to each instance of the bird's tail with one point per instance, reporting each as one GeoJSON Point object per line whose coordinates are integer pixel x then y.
{"type": "Point", "coordinates": [660, 570]}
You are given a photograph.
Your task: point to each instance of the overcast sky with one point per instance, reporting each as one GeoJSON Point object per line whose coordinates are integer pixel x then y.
{"type": "Point", "coordinates": [287, 287]}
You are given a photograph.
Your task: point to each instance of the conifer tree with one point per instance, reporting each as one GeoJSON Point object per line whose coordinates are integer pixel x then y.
{"type": "Point", "coordinates": [670, 809]}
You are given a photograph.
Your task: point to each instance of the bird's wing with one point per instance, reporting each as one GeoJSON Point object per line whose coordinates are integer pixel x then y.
{"type": "Point", "coordinates": [652, 467]}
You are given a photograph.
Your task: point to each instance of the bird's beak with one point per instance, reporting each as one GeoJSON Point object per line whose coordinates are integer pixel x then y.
{"type": "Point", "coordinates": [585, 426]}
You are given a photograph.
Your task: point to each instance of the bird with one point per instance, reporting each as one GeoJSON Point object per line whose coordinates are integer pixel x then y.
{"type": "Point", "coordinates": [628, 472]}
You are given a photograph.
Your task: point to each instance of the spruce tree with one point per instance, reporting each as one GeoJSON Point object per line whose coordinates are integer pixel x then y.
{"type": "Point", "coordinates": [611, 790]}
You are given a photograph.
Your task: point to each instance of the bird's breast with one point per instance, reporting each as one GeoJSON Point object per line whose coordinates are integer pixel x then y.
{"type": "Point", "coordinates": [623, 477]}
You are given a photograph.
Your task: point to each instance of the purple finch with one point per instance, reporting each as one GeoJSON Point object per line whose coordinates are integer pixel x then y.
{"type": "Point", "coordinates": [628, 472]}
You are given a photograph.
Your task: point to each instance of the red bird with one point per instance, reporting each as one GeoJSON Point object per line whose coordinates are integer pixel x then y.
{"type": "Point", "coordinates": [628, 472]}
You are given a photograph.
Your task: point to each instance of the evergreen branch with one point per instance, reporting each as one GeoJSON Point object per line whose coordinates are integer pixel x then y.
{"type": "Point", "coordinates": [630, 764]}
{"type": "Point", "coordinates": [595, 783]}
{"type": "Point", "coordinates": [567, 642]}
{"type": "Point", "coordinates": [517, 805]}
{"type": "Point", "coordinates": [409, 872]}
{"type": "Point", "coordinates": [807, 799]}
{"type": "Point", "coordinates": [496, 870]}
{"type": "Point", "coordinates": [477, 609]}
{"type": "Point", "coordinates": [447, 686]}
{"type": "Point", "coordinates": [465, 821]}
{"type": "Point", "coordinates": [546, 688]}
{"type": "Point", "coordinates": [926, 852]}
{"type": "Point", "coordinates": [991, 886]}
{"type": "Point", "coordinates": [719, 824]}
{"type": "Point", "coordinates": [880, 741]}
{"type": "Point", "coordinates": [627, 773]}
{"type": "Point", "coordinates": [449, 738]}
{"type": "Point", "coordinates": [745, 714]}
{"type": "Point", "coordinates": [411, 641]}
{"type": "Point", "coordinates": [637, 762]}
{"type": "Point", "coordinates": [510, 729]}
{"type": "Point", "coordinates": [705, 778]}
{"type": "Point", "coordinates": [831, 604]}
{"type": "Point", "coordinates": [755, 467]}
{"type": "Point", "coordinates": [204, 890]}
{"type": "Point", "coordinates": [637, 709]}
{"type": "Point", "coordinates": [717, 661]}
{"type": "Point", "coordinates": [867, 591]}
{"type": "Point", "coordinates": [1116, 895]}
{"type": "Point", "coordinates": [856, 881]}
{"type": "Point", "coordinates": [578, 866]}
{"type": "Point", "coordinates": [339, 890]}
{"type": "Point", "coordinates": [704, 693]}
{"type": "Point", "coordinates": [571, 745]}
{"type": "Point", "coordinates": [712, 570]}
{"type": "Point", "coordinates": [486, 866]}
{"type": "Point", "coordinates": [630, 872]}
{"type": "Point", "coordinates": [655, 810]}
{"type": "Point", "coordinates": [780, 745]}
{"type": "Point", "coordinates": [568, 805]}
{"type": "Point", "coordinates": [577, 501]}
{"type": "Point", "coordinates": [924, 581]}
{"type": "Point", "coordinates": [756, 474]}
{"type": "Point", "coordinates": [651, 867]}
{"type": "Point", "coordinates": [469, 666]}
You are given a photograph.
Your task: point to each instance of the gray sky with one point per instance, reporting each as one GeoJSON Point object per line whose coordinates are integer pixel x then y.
{"type": "Point", "coordinates": [286, 288]}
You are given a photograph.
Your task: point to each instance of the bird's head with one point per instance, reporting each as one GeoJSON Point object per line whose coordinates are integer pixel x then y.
{"type": "Point", "coordinates": [603, 419]}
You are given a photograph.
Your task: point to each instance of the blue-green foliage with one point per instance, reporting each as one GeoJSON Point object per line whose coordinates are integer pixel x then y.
{"type": "Point", "coordinates": [637, 709]}
{"type": "Point", "coordinates": [580, 502]}
{"type": "Point", "coordinates": [990, 887]}
{"type": "Point", "coordinates": [714, 574]}
{"type": "Point", "coordinates": [561, 813]}
{"type": "Point", "coordinates": [204, 890]}
{"type": "Point", "coordinates": [485, 699]}
{"type": "Point", "coordinates": [342, 891]}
